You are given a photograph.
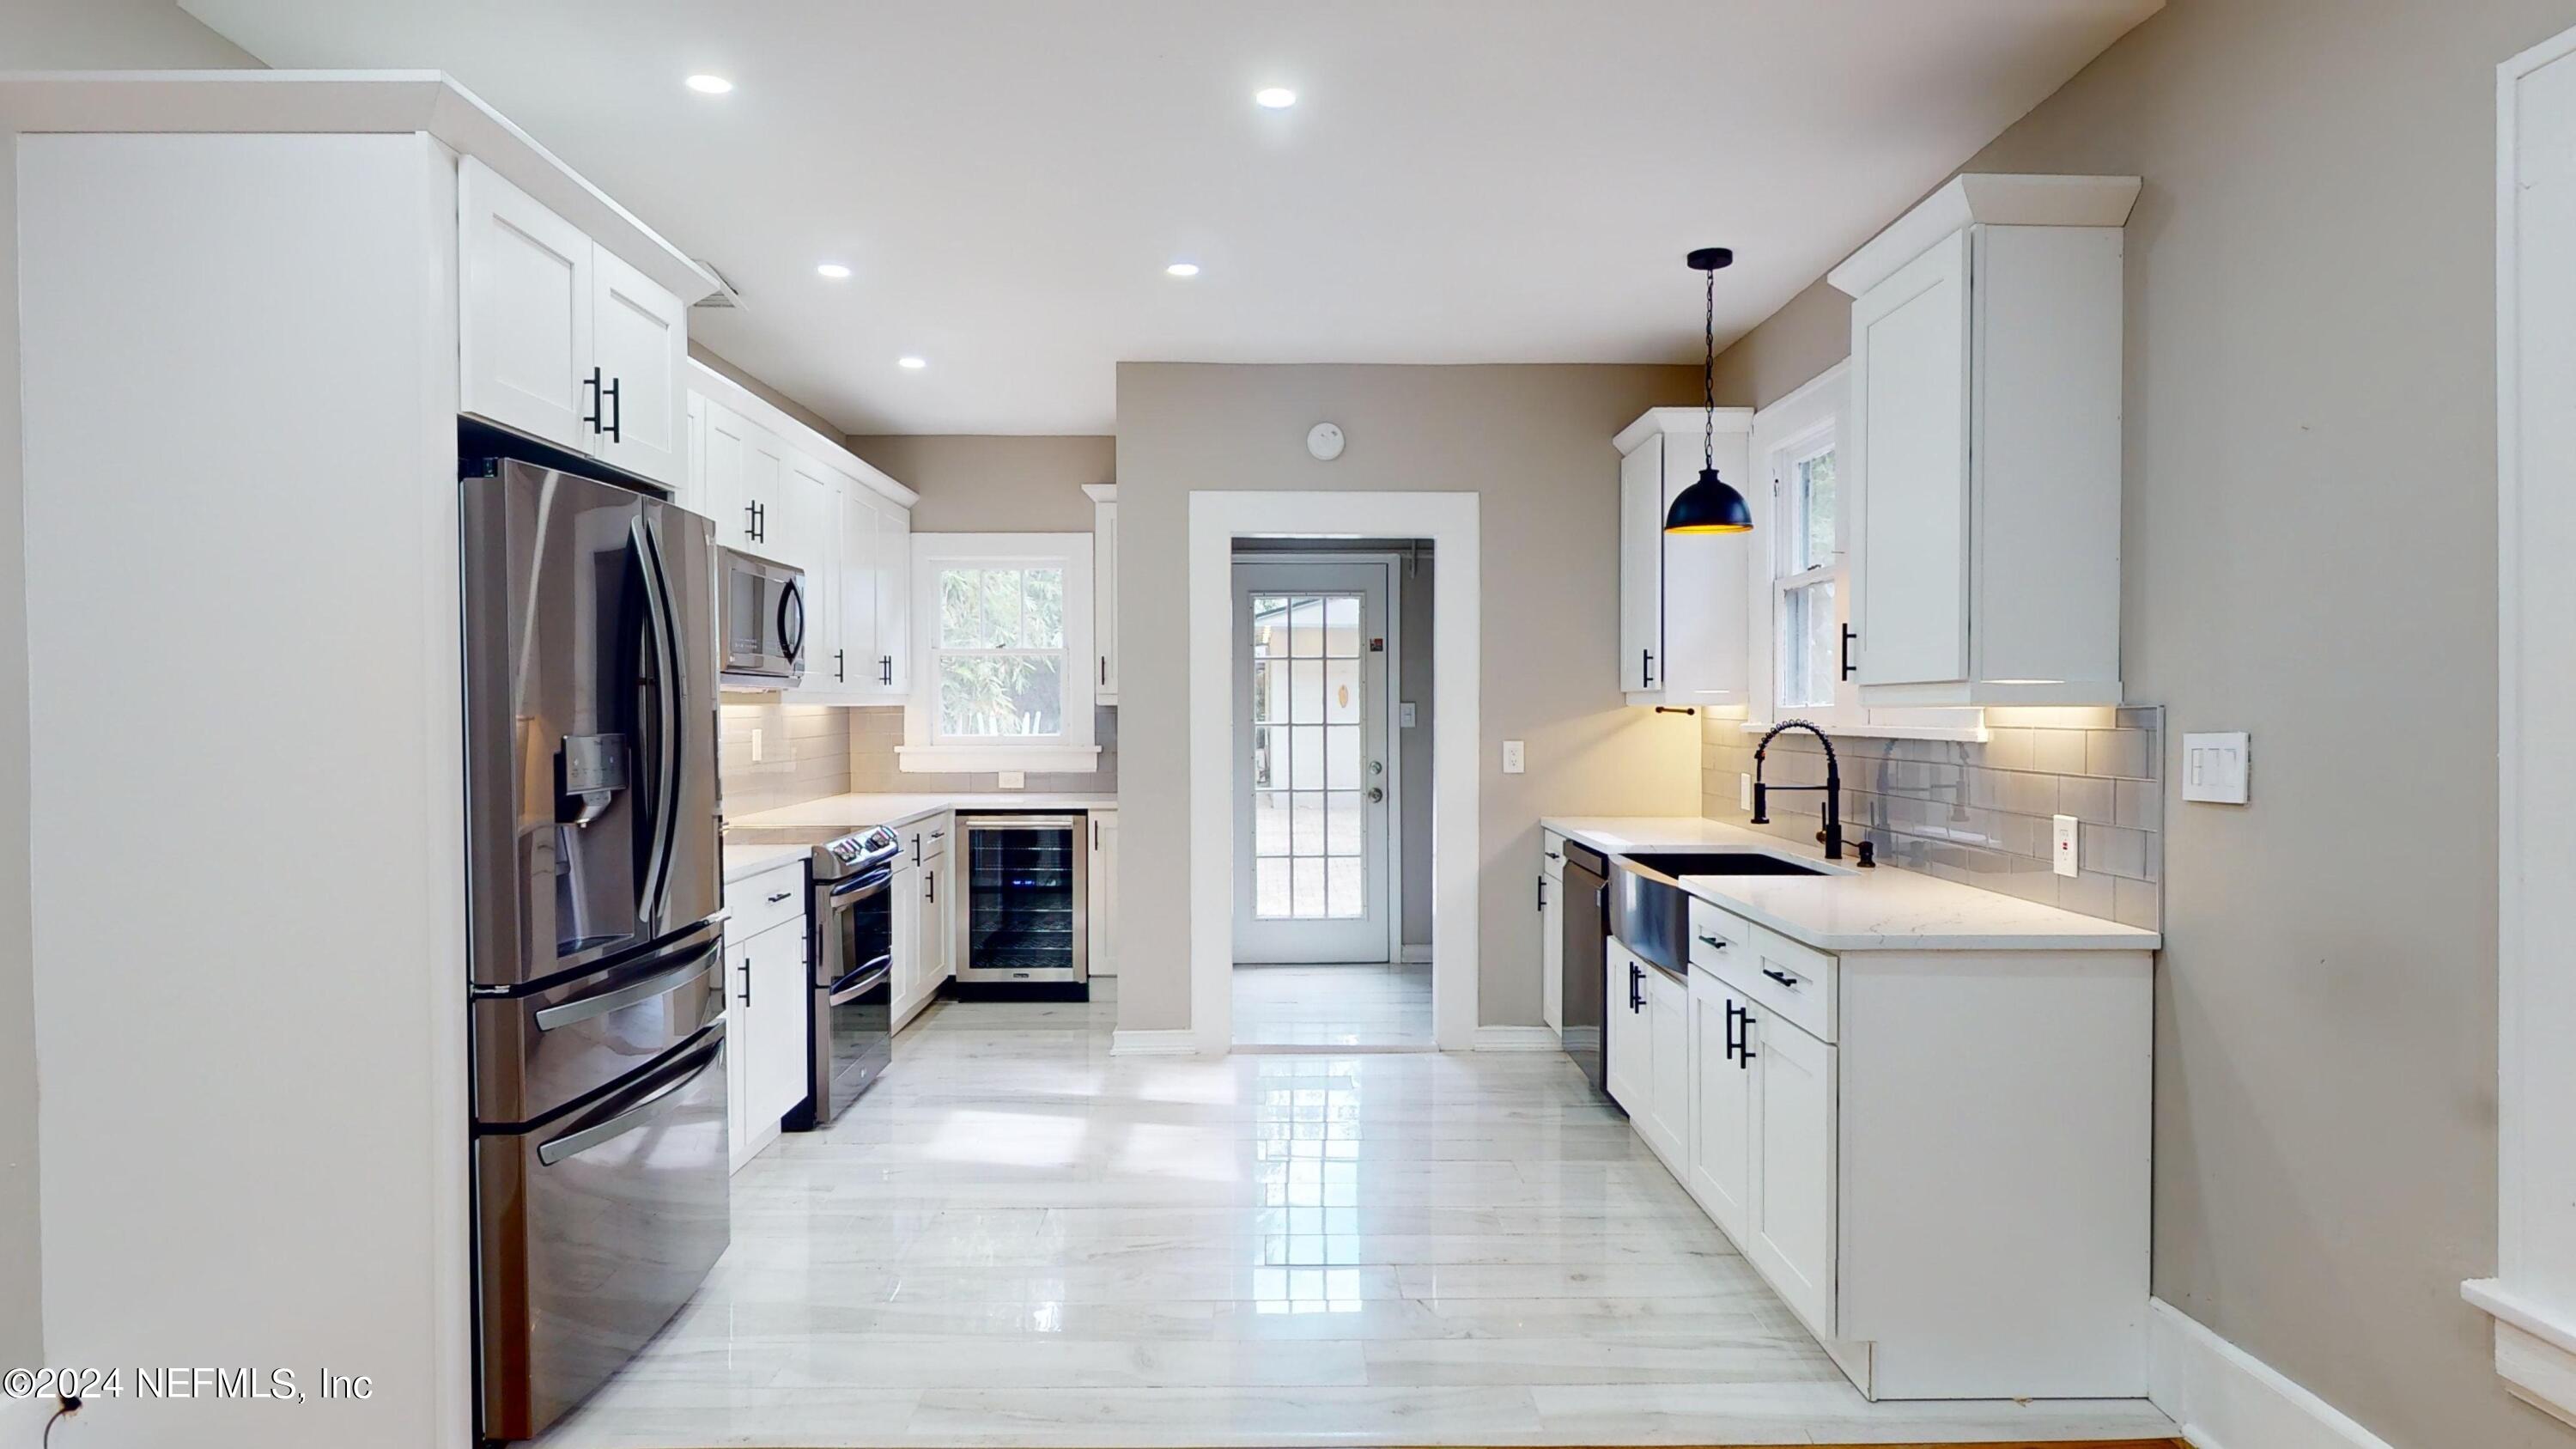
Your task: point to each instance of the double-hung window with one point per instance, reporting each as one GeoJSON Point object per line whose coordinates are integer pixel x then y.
{"type": "Point", "coordinates": [1006, 620]}
{"type": "Point", "coordinates": [1807, 576]}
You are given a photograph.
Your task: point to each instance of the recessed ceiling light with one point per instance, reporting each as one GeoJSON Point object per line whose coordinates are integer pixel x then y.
{"type": "Point", "coordinates": [1277, 98]}
{"type": "Point", "coordinates": [710, 85]}
{"type": "Point", "coordinates": [833, 270]}
{"type": "Point", "coordinates": [914, 363]}
{"type": "Point", "coordinates": [1183, 269]}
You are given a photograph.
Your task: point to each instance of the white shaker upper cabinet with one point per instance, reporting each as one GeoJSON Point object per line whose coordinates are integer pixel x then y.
{"type": "Point", "coordinates": [1104, 589]}
{"type": "Point", "coordinates": [1984, 450]}
{"type": "Point", "coordinates": [525, 323]}
{"type": "Point", "coordinates": [1682, 616]}
{"type": "Point", "coordinates": [561, 340]}
{"type": "Point", "coordinates": [640, 345]}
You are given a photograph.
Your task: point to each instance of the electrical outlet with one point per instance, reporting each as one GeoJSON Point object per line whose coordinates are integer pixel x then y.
{"type": "Point", "coordinates": [2062, 857]}
{"type": "Point", "coordinates": [1744, 792]}
{"type": "Point", "coordinates": [755, 744]}
{"type": "Point", "coordinates": [1015, 780]}
{"type": "Point", "coordinates": [1512, 757]}
{"type": "Point", "coordinates": [1404, 715]}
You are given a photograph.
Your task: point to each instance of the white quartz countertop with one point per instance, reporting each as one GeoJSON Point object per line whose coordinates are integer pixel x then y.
{"type": "Point", "coordinates": [846, 813]}
{"type": "Point", "coordinates": [1886, 908]}
{"type": "Point", "coordinates": [743, 860]}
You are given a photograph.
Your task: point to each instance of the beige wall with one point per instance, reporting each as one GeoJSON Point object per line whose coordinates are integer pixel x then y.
{"type": "Point", "coordinates": [973, 483]}
{"type": "Point", "coordinates": [2309, 544]}
{"type": "Point", "coordinates": [1807, 335]}
{"type": "Point", "coordinates": [43, 35]}
{"type": "Point", "coordinates": [1534, 442]}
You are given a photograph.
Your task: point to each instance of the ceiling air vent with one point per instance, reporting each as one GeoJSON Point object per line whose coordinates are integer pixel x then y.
{"type": "Point", "coordinates": [725, 296]}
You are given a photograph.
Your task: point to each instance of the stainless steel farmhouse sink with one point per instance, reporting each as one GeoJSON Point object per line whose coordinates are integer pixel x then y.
{"type": "Point", "coordinates": [1651, 913]}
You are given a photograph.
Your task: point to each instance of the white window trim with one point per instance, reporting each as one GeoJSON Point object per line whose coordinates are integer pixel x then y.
{"type": "Point", "coordinates": [1073, 752]}
{"type": "Point", "coordinates": [1786, 430]}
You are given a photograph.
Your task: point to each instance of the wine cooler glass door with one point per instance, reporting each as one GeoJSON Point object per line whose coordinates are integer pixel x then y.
{"type": "Point", "coordinates": [1021, 915]}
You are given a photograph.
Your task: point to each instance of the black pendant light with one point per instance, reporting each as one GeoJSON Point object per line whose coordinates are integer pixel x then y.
{"type": "Point", "coordinates": [1709, 506]}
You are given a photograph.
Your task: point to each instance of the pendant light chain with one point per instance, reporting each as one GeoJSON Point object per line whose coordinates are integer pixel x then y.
{"type": "Point", "coordinates": [1708, 383]}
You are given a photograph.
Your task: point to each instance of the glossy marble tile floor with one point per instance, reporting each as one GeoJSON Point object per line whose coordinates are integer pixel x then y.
{"type": "Point", "coordinates": [1333, 1006]}
{"type": "Point", "coordinates": [1016, 1238]}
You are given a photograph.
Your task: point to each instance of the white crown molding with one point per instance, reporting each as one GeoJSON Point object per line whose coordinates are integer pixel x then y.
{"type": "Point", "coordinates": [2226, 1398]}
{"type": "Point", "coordinates": [1180, 1043]}
{"type": "Point", "coordinates": [1992, 200]}
{"type": "Point", "coordinates": [1694, 421]}
{"type": "Point", "coordinates": [1517, 1039]}
{"type": "Point", "coordinates": [353, 102]}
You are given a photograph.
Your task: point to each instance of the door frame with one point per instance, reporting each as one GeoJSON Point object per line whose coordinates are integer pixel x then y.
{"type": "Point", "coordinates": [1451, 521]}
{"type": "Point", "coordinates": [1391, 727]}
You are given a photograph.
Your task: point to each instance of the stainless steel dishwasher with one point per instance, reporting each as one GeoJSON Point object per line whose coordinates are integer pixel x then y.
{"type": "Point", "coordinates": [1586, 924]}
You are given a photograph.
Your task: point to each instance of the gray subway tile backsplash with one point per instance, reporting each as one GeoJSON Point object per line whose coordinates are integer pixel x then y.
{"type": "Point", "coordinates": [1979, 813]}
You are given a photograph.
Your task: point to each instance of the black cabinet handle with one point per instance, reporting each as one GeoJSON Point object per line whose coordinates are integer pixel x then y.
{"type": "Point", "coordinates": [1712, 942]}
{"type": "Point", "coordinates": [1542, 894]}
{"type": "Point", "coordinates": [1848, 637]}
{"type": "Point", "coordinates": [841, 665]}
{"type": "Point", "coordinates": [1744, 1048]}
{"type": "Point", "coordinates": [930, 878]}
{"type": "Point", "coordinates": [1734, 1043]}
{"type": "Point", "coordinates": [592, 417]}
{"type": "Point", "coordinates": [1646, 662]}
{"type": "Point", "coordinates": [616, 408]}
{"type": "Point", "coordinates": [1636, 982]}
{"type": "Point", "coordinates": [1783, 977]}
{"type": "Point", "coordinates": [1104, 669]}
{"type": "Point", "coordinates": [746, 982]}
{"type": "Point", "coordinates": [782, 895]}
{"type": "Point", "coordinates": [885, 670]}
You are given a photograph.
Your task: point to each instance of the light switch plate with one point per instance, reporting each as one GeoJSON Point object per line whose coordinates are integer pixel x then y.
{"type": "Point", "coordinates": [1512, 759]}
{"type": "Point", "coordinates": [2214, 767]}
{"type": "Point", "coordinates": [1743, 792]}
{"type": "Point", "coordinates": [2061, 857]}
{"type": "Point", "coordinates": [1404, 715]}
{"type": "Point", "coordinates": [1015, 779]}
{"type": "Point", "coordinates": [755, 744]}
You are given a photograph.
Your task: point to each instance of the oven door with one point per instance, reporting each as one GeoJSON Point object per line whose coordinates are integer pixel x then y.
{"type": "Point", "coordinates": [853, 993]}
{"type": "Point", "coordinates": [764, 622]}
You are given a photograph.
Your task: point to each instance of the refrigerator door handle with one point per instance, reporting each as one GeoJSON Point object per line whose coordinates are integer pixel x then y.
{"type": "Point", "coordinates": [666, 645]}
{"type": "Point", "coordinates": [581, 1140]}
{"type": "Point", "coordinates": [584, 1008]}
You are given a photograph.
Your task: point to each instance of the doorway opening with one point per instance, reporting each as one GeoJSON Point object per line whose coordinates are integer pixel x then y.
{"type": "Point", "coordinates": [1331, 698]}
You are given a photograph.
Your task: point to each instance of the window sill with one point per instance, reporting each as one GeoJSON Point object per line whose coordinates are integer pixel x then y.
{"type": "Point", "coordinates": [1974, 734]}
{"type": "Point", "coordinates": [976, 759]}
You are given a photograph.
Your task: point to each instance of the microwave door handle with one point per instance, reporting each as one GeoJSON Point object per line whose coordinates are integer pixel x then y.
{"type": "Point", "coordinates": [791, 620]}
{"type": "Point", "coordinates": [667, 727]}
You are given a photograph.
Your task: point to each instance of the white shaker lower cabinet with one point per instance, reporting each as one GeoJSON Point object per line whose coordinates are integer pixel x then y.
{"type": "Point", "coordinates": [767, 1005]}
{"type": "Point", "coordinates": [1938, 1159]}
{"type": "Point", "coordinates": [1102, 892]}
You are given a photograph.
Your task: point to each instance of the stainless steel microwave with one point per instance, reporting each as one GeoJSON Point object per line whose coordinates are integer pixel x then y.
{"type": "Point", "coordinates": [764, 621]}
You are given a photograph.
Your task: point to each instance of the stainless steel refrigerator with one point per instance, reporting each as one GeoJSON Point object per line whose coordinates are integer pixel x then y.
{"type": "Point", "coordinates": [593, 880]}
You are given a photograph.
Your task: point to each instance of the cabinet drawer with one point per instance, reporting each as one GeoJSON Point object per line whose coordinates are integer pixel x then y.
{"type": "Point", "coordinates": [1718, 937]}
{"type": "Point", "coordinates": [771, 898]}
{"type": "Point", "coordinates": [1551, 854]}
{"type": "Point", "coordinates": [1797, 982]}
{"type": "Point", "coordinates": [927, 840]}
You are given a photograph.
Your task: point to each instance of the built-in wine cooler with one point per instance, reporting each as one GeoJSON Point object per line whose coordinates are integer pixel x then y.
{"type": "Point", "coordinates": [1021, 918]}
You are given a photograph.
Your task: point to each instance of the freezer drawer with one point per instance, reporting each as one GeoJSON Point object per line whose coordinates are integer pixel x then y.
{"type": "Point", "coordinates": [593, 1228]}
{"type": "Point", "coordinates": [535, 1052]}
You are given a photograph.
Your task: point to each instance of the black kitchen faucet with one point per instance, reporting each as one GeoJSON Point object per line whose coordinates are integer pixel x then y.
{"type": "Point", "coordinates": [1832, 834]}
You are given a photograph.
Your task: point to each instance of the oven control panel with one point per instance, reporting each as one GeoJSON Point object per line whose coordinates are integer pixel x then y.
{"type": "Point", "coordinates": [874, 842]}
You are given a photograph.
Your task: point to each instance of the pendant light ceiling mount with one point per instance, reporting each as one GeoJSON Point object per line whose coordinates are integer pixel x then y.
{"type": "Point", "coordinates": [1709, 505]}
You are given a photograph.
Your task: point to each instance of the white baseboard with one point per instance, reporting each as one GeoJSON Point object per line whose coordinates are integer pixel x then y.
{"type": "Point", "coordinates": [1169, 1043]}
{"type": "Point", "coordinates": [1517, 1039]}
{"type": "Point", "coordinates": [1416, 955]}
{"type": "Point", "coordinates": [2225, 1398]}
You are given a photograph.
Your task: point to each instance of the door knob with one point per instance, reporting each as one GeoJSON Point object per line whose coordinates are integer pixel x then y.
{"type": "Point", "coordinates": [1377, 767]}
{"type": "Point", "coordinates": [1376, 795]}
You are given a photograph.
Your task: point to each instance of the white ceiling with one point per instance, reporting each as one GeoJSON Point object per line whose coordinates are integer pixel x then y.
{"type": "Point", "coordinates": [1460, 181]}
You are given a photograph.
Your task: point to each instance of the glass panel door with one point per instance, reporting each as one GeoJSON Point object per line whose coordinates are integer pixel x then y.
{"type": "Point", "coordinates": [1313, 763]}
